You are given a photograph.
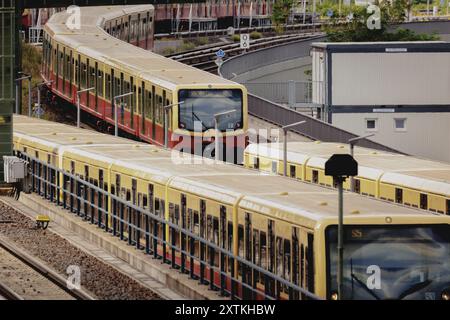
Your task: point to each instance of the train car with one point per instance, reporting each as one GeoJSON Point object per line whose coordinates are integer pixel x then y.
{"type": "Point", "coordinates": [89, 57]}
{"type": "Point", "coordinates": [405, 180]}
{"type": "Point", "coordinates": [243, 233]}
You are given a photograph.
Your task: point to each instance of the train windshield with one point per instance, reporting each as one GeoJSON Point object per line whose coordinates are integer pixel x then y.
{"type": "Point", "coordinates": [397, 262]}
{"type": "Point", "coordinates": [199, 107]}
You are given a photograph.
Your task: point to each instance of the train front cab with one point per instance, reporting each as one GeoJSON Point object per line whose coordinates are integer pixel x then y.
{"type": "Point", "coordinates": [416, 265]}
{"type": "Point", "coordinates": [193, 119]}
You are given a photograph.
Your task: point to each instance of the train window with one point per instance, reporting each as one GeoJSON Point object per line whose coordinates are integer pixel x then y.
{"type": "Point", "coordinates": [271, 245]}
{"type": "Point", "coordinates": [310, 263]}
{"type": "Point", "coordinates": [292, 171]}
{"type": "Point", "coordinates": [100, 83]}
{"type": "Point", "coordinates": [177, 215]}
{"type": "Point", "coordinates": [398, 195]}
{"type": "Point", "coordinates": [144, 201]}
{"type": "Point", "coordinates": [196, 229]}
{"type": "Point", "coordinates": [149, 105]}
{"type": "Point", "coordinates": [263, 249]}
{"type": "Point", "coordinates": [447, 204]}
{"type": "Point", "coordinates": [91, 77]}
{"type": "Point", "coordinates": [83, 76]}
{"type": "Point", "coordinates": [67, 67]}
{"type": "Point", "coordinates": [274, 167]}
{"type": "Point", "coordinates": [357, 185]}
{"type": "Point", "coordinates": [223, 227]}
{"type": "Point", "coordinates": [61, 64]}
{"type": "Point", "coordinates": [77, 74]}
{"type": "Point", "coordinates": [287, 259]}
{"type": "Point", "coordinates": [248, 236]}
{"type": "Point", "coordinates": [315, 176]}
{"type": "Point", "coordinates": [295, 262]}
{"type": "Point", "coordinates": [216, 230]}
{"type": "Point", "coordinates": [108, 87]}
{"type": "Point", "coordinates": [209, 231]}
{"type": "Point", "coordinates": [150, 197]}
{"type": "Point", "coordinates": [230, 242]}
{"type": "Point", "coordinates": [171, 212]}
{"type": "Point", "coordinates": [279, 262]}
{"type": "Point", "coordinates": [256, 251]}
{"type": "Point", "coordinates": [424, 201]}
{"type": "Point", "coordinates": [158, 207]}
{"type": "Point", "coordinates": [241, 240]}
{"type": "Point", "coordinates": [302, 265]}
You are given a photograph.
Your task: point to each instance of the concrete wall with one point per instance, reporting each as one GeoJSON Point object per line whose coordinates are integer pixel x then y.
{"type": "Point", "coordinates": [426, 134]}
{"type": "Point", "coordinates": [278, 72]}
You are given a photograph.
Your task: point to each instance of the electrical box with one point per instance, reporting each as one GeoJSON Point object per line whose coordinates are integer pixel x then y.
{"type": "Point", "coordinates": [15, 169]}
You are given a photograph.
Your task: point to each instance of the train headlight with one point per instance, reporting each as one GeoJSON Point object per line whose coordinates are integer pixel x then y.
{"type": "Point", "coordinates": [334, 296]}
{"type": "Point", "coordinates": [445, 295]}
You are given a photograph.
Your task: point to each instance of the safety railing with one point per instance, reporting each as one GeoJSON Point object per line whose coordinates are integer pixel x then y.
{"type": "Point", "coordinates": [148, 229]}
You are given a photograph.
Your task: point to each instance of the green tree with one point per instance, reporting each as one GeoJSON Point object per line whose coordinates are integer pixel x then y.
{"type": "Point", "coordinates": [357, 29]}
{"type": "Point", "coordinates": [280, 12]}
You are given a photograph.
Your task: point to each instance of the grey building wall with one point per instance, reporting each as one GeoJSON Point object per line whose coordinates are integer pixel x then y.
{"type": "Point", "coordinates": [425, 135]}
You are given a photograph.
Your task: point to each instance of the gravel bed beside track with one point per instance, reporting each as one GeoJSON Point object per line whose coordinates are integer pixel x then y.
{"type": "Point", "coordinates": [101, 280]}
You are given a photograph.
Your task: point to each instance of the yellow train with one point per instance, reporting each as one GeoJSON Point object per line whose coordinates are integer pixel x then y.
{"type": "Point", "coordinates": [168, 103]}
{"type": "Point", "coordinates": [273, 236]}
{"type": "Point", "coordinates": [405, 180]}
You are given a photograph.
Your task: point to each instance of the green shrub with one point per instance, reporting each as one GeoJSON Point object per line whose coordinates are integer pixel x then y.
{"type": "Point", "coordinates": [236, 38]}
{"type": "Point", "coordinates": [186, 46]}
{"type": "Point", "coordinates": [168, 50]}
{"type": "Point", "coordinates": [255, 35]}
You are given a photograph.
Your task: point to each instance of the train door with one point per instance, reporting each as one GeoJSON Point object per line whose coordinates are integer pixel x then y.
{"type": "Point", "coordinates": [64, 70]}
{"type": "Point", "coordinates": [133, 103]}
{"type": "Point", "coordinates": [269, 284]}
{"type": "Point", "coordinates": [153, 115]}
{"type": "Point", "coordinates": [121, 102]}
{"type": "Point", "coordinates": [100, 89]}
{"type": "Point", "coordinates": [398, 195]}
{"type": "Point", "coordinates": [424, 201]}
{"type": "Point", "coordinates": [70, 67]}
{"type": "Point", "coordinates": [96, 82]}
{"type": "Point", "coordinates": [142, 105]}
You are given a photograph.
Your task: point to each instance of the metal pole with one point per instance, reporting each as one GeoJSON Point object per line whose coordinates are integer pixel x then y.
{"type": "Point", "coordinates": [285, 131]}
{"type": "Point", "coordinates": [352, 180]}
{"type": "Point", "coordinates": [17, 97]}
{"type": "Point", "coordinates": [78, 110]}
{"type": "Point", "coordinates": [340, 246]}
{"type": "Point", "coordinates": [285, 152]}
{"type": "Point", "coordinates": [29, 96]}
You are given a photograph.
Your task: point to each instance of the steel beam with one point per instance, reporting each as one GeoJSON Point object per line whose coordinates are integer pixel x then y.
{"type": "Point", "coordinates": [66, 3]}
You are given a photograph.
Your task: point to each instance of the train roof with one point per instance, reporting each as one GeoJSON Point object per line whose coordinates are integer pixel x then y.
{"type": "Point", "coordinates": [414, 172]}
{"type": "Point", "coordinates": [276, 196]}
{"type": "Point", "coordinates": [93, 41]}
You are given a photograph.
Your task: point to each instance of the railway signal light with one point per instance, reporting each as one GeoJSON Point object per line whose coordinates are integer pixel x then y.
{"type": "Point", "coordinates": [340, 167]}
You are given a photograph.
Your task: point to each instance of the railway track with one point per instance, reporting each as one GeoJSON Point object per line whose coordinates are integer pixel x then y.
{"type": "Point", "coordinates": [25, 278]}
{"type": "Point", "coordinates": [205, 59]}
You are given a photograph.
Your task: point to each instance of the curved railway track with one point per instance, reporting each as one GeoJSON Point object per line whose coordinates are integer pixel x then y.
{"type": "Point", "coordinates": [26, 278]}
{"type": "Point", "coordinates": [205, 59]}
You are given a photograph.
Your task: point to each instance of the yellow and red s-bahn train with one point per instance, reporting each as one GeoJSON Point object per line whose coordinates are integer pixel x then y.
{"type": "Point", "coordinates": [83, 56]}
{"type": "Point", "coordinates": [276, 226]}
